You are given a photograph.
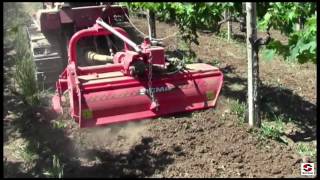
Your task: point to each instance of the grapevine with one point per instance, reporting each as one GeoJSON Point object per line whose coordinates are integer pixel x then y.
{"type": "Point", "coordinates": [192, 17]}
{"type": "Point", "coordinates": [302, 44]}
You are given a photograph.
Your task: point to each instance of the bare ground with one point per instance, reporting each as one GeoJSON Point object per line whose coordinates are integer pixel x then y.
{"type": "Point", "coordinates": [210, 143]}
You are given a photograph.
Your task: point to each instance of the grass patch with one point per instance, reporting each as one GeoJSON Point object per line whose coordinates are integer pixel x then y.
{"type": "Point", "coordinates": [56, 171]}
{"type": "Point", "coordinates": [25, 70]}
{"type": "Point", "coordinates": [59, 124]}
{"type": "Point", "coordinates": [215, 62]}
{"type": "Point", "coordinates": [223, 34]}
{"type": "Point", "coordinates": [25, 79]}
{"type": "Point", "coordinates": [239, 109]}
{"type": "Point", "coordinates": [271, 130]}
{"type": "Point", "coordinates": [306, 150]}
{"type": "Point", "coordinates": [28, 154]}
{"type": "Point", "coordinates": [23, 150]}
{"type": "Point", "coordinates": [15, 36]}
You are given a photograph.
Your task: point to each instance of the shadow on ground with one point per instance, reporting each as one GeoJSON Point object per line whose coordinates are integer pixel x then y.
{"type": "Point", "coordinates": [276, 101]}
{"type": "Point", "coordinates": [240, 38]}
{"type": "Point", "coordinates": [46, 141]}
{"type": "Point", "coordinates": [34, 125]}
{"type": "Point", "coordinates": [138, 162]}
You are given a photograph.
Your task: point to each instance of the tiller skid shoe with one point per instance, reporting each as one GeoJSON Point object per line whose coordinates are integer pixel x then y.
{"type": "Point", "coordinates": [136, 86]}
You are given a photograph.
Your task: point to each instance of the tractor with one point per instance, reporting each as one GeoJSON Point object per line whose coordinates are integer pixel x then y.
{"type": "Point", "coordinates": [107, 77]}
{"type": "Point", "coordinates": [52, 28]}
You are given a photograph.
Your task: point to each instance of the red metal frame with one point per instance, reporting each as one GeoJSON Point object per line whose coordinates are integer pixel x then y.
{"type": "Point", "coordinates": [96, 30]}
{"type": "Point", "coordinates": [106, 94]}
{"type": "Point", "coordinates": [80, 17]}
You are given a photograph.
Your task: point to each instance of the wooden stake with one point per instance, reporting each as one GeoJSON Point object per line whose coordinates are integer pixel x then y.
{"type": "Point", "coordinates": [300, 24]}
{"type": "Point", "coordinates": [253, 67]}
{"type": "Point", "coordinates": [229, 25]}
{"type": "Point", "coordinates": [151, 24]}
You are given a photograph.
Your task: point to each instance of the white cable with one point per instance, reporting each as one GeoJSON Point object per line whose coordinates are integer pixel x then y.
{"type": "Point", "coordinates": [133, 24]}
{"type": "Point", "coordinates": [157, 39]}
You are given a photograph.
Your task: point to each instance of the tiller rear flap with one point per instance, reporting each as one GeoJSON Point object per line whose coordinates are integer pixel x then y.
{"type": "Point", "coordinates": [136, 86]}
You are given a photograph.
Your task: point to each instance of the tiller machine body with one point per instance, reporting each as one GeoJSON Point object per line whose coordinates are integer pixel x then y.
{"type": "Point", "coordinates": [135, 86]}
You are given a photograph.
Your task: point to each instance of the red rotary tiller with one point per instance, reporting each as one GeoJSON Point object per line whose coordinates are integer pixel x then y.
{"type": "Point", "coordinates": [136, 86]}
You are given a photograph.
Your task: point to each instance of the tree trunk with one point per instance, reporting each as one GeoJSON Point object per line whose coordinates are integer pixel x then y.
{"type": "Point", "coordinates": [253, 67]}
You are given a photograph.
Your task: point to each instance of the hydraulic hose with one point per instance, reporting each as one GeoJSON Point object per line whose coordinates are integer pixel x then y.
{"type": "Point", "coordinates": [93, 56]}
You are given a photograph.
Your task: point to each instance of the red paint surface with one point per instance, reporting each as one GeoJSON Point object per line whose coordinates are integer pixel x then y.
{"type": "Point", "coordinates": [125, 104]}
{"type": "Point", "coordinates": [107, 100]}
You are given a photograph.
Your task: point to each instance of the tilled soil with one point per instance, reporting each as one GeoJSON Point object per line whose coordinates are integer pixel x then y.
{"type": "Point", "coordinates": [208, 143]}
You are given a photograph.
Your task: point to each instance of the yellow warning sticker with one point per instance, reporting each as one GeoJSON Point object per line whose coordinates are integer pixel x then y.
{"type": "Point", "coordinates": [87, 114]}
{"type": "Point", "coordinates": [210, 95]}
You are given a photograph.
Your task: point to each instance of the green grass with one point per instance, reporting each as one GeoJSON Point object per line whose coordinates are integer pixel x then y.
{"type": "Point", "coordinates": [29, 156]}
{"type": "Point", "coordinates": [272, 130]}
{"type": "Point", "coordinates": [215, 62]}
{"type": "Point", "coordinates": [25, 79]}
{"type": "Point", "coordinates": [27, 151]}
{"type": "Point", "coordinates": [15, 20]}
{"type": "Point", "coordinates": [306, 150]}
{"type": "Point", "coordinates": [223, 34]}
{"type": "Point", "coordinates": [59, 124]}
{"type": "Point", "coordinates": [25, 70]}
{"type": "Point", "coordinates": [56, 171]}
{"type": "Point", "coordinates": [239, 109]}
{"type": "Point", "coordinates": [23, 150]}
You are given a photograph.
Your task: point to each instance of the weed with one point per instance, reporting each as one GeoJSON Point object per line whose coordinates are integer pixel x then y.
{"type": "Point", "coordinates": [223, 34]}
{"type": "Point", "coordinates": [56, 171]}
{"type": "Point", "coordinates": [239, 109]}
{"type": "Point", "coordinates": [279, 119]}
{"type": "Point", "coordinates": [25, 150]}
{"type": "Point", "coordinates": [25, 78]}
{"type": "Point", "coordinates": [21, 45]}
{"type": "Point", "coordinates": [15, 35]}
{"type": "Point", "coordinates": [183, 45]}
{"type": "Point", "coordinates": [59, 124]}
{"type": "Point", "coordinates": [215, 62]}
{"type": "Point", "coordinates": [274, 127]}
{"type": "Point", "coordinates": [272, 130]}
{"type": "Point", "coordinates": [25, 71]}
{"type": "Point", "coordinates": [13, 18]}
{"type": "Point", "coordinates": [306, 150]}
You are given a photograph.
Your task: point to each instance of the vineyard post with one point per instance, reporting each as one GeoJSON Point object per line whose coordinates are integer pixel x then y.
{"type": "Point", "coordinates": [299, 25]}
{"type": "Point", "coordinates": [253, 66]}
{"type": "Point", "coordinates": [151, 24]}
{"type": "Point", "coordinates": [227, 16]}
